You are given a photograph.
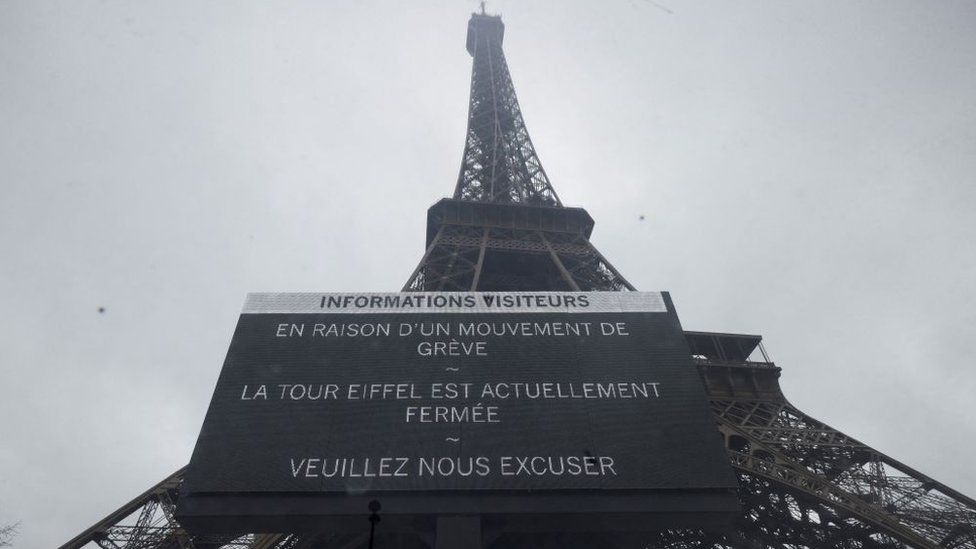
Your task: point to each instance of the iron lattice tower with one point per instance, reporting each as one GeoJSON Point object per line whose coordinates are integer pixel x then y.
{"type": "Point", "coordinates": [801, 482]}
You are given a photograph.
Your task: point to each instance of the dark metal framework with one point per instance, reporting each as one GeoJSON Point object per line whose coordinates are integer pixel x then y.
{"type": "Point", "coordinates": [499, 163]}
{"type": "Point", "coordinates": [483, 246]}
{"type": "Point", "coordinates": [801, 482]}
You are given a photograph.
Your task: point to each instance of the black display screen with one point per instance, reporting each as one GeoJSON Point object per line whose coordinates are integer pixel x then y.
{"type": "Point", "coordinates": [367, 393]}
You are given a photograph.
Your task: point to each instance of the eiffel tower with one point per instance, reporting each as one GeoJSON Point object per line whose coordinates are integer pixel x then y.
{"type": "Point", "coordinates": [802, 483]}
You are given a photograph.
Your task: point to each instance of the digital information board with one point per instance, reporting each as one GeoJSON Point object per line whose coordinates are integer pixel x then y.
{"type": "Point", "coordinates": [509, 402]}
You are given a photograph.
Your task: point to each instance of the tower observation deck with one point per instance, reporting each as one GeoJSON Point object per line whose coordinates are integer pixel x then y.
{"type": "Point", "coordinates": [802, 483]}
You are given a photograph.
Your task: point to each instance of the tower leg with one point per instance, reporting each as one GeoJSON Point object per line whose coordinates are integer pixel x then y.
{"type": "Point", "coordinates": [458, 532]}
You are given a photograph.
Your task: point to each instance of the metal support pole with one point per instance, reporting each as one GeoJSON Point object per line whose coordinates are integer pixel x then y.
{"type": "Point", "coordinates": [559, 264]}
{"type": "Point", "coordinates": [374, 507]}
{"type": "Point", "coordinates": [481, 261]}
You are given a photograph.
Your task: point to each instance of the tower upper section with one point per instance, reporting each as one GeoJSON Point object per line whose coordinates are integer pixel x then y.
{"type": "Point", "coordinates": [488, 26]}
{"type": "Point", "coordinates": [499, 163]}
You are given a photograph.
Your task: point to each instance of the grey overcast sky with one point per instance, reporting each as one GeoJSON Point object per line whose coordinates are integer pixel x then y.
{"type": "Point", "coordinates": [806, 170]}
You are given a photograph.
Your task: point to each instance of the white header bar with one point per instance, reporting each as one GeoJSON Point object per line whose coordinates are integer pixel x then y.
{"type": "Point", "coordinates": [455, 302]}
